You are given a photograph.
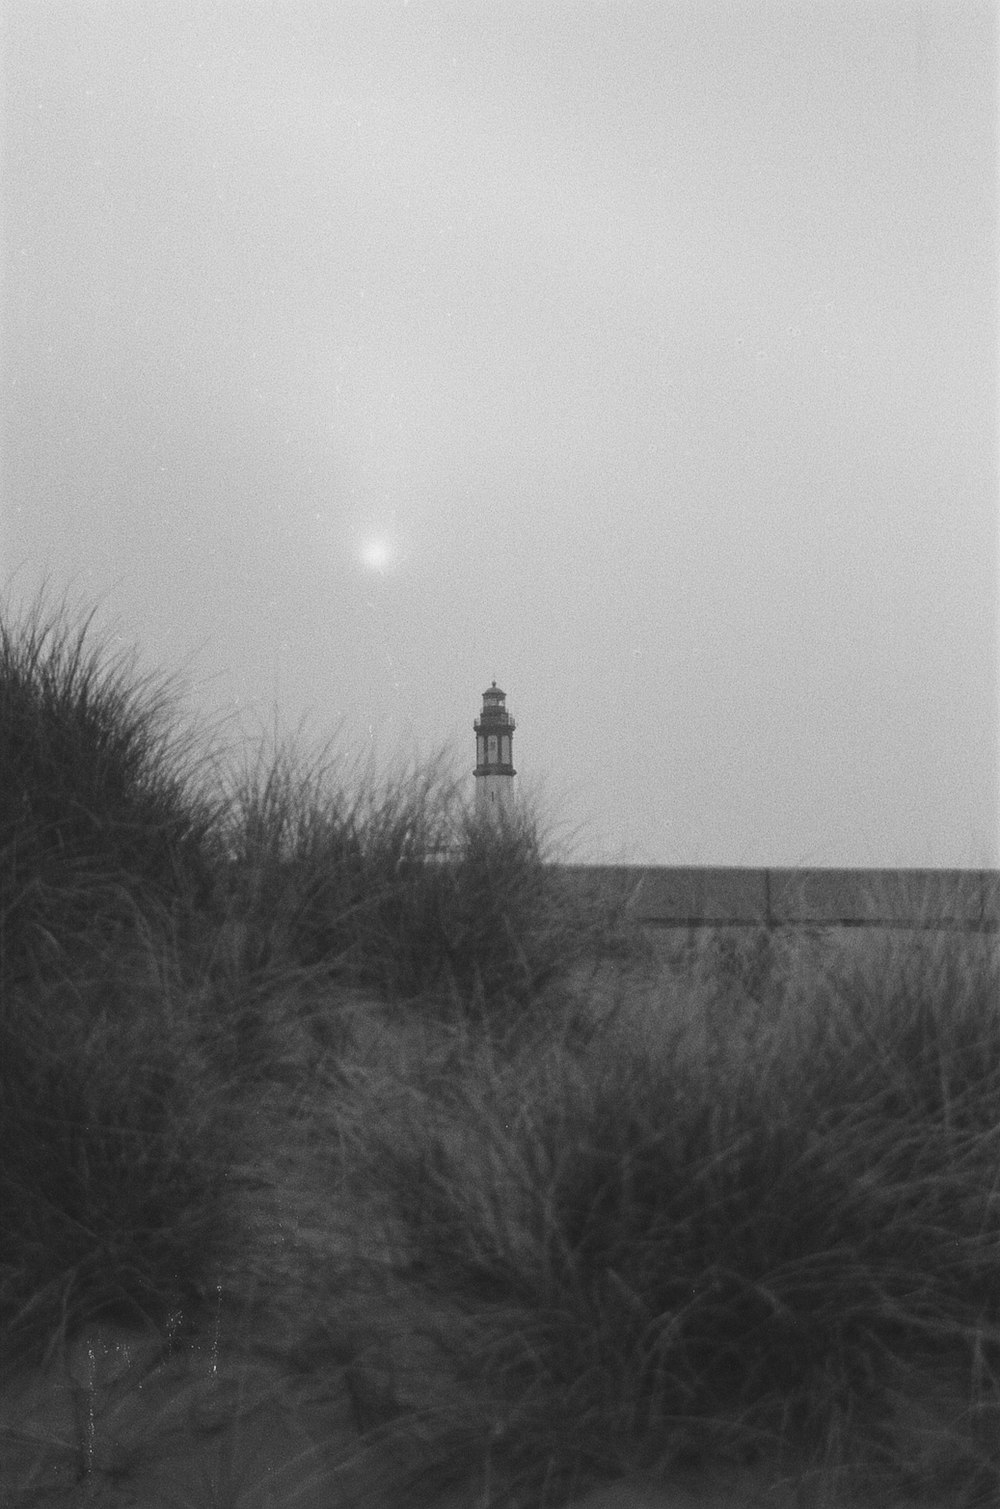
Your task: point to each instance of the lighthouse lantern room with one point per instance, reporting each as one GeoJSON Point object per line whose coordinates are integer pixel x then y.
{"type": "Point", "coordinates": [494, 771]}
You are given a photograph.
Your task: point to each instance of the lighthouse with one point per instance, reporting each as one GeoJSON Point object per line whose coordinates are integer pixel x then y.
{"type": "Point", "coordinates": [494, 771]}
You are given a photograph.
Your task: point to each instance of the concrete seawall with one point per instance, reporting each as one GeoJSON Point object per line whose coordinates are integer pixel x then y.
{"type": "Point", "coordinates": [697, 896]}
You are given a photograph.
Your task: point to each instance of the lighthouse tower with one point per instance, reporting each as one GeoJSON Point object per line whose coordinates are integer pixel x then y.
{"type": "Point", "coordinates": [494, 770]}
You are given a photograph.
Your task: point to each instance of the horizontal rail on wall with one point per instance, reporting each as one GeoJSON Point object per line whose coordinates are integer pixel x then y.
{"type": "Point", "coordinates": [940, 925]}
{"type": "Point", "coordinates": [701, 896]}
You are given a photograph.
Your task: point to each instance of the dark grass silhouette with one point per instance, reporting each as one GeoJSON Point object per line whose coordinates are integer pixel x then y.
{"type": "Point", "coordinates": [445, 1140]}
{"type": "Point", "coordinates": [101, 815]}
{"type": "Point", "coordinates": [116, 1153]}
{"type": "Point", "coordinates": [114, 1150]}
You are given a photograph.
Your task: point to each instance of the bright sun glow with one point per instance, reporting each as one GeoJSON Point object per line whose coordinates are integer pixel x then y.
{"type": "Point", "coordinates": [376, 553]}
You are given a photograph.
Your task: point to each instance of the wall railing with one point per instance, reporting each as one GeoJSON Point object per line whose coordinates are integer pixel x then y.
{"type": "Point", "coordinates": [707, 896]}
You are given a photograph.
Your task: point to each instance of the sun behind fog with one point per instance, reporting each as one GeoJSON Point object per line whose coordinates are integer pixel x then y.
{"type": "Point", "coordinates": [376, 553]}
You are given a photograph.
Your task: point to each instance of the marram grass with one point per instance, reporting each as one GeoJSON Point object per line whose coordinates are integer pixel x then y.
{"type": "Point", "coordinates": [474, 1191]}
{"type": "Point", "coordinates": [651, 1256]}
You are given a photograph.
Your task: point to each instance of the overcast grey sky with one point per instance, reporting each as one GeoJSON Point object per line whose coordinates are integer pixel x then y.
{"type": "Point", "coordinates": [640, 355]}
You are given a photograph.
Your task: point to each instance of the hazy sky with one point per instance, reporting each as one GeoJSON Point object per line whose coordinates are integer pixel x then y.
{"type": "Point", "coordinates": [639, 355]}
